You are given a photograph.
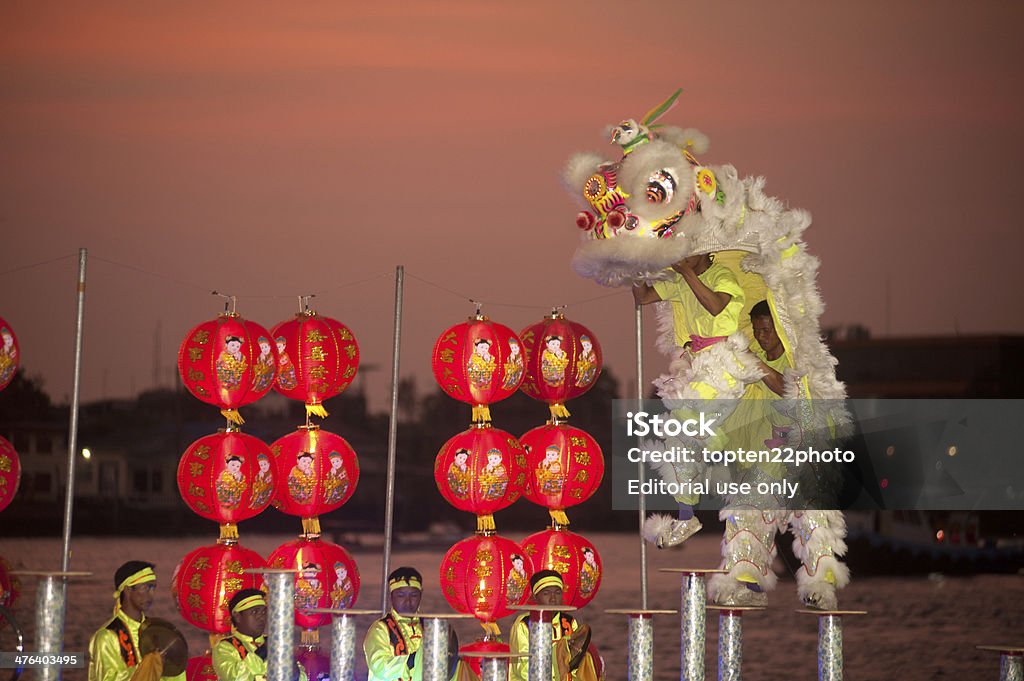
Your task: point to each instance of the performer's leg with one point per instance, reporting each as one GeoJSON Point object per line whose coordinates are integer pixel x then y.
{"type": "Point", "coordinates": [748, 549]}
{"type": "Point", "coordinates": [818, 543]}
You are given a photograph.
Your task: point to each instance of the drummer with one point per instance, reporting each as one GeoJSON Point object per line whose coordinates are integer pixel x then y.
{"type": "Point", "coordinates": [114, 649]}
{"type": "Point", "coordinates": [243, 655]}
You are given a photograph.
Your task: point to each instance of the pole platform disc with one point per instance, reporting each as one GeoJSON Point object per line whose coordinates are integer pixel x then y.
{"type": "Point", "coordinates": [736, 608]}
{"type": "Point", "coordinates": [695, 571]}
{"type": "Point", "coordinates": [545, 608]}
{"type": "Point", "coordinates": [49, 573]}
{"type": "Point", "coordinates": [1006, 650]}
{"type": "Point", "coordinates": [341, 611]}
{"type": "Point", "coordinates": [626, 611]}
{"type": "Point", "coordinates": [491, 655]}
{"type": "Point", "coordinates": [445, 616]}
{"type": "Point", "coordinates": [831, 612]}
{"type": "Point", "coordinates": [271, 571]}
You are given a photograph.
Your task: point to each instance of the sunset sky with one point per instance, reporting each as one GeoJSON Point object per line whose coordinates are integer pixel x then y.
{"type": "Point", "coordinates": [271, 149]}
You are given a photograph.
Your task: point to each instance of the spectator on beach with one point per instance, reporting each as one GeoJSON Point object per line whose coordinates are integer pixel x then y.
{"type": "Point", "coordinates": [114, 649]}
{"type": "Point", "coordinates": [392, 643]}
{"type": "Point", "coordinates": [243, 655]}
{"type": "Point", "coordinates": [573, 658]}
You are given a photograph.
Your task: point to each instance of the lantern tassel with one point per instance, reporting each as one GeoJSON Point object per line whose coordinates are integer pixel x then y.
{"type": "Point", "coordinates": [481, 413]}
{"type": "Point", "coordinates": [491, 629]}
{"type": "Point", "coordinates": [316, 410]}
{"type": "Point", "coordinates": [558, 517]}
{"type": "Point", "coordinates": [485, 523]}
{"type": "Point", "coordinates": [558, 412]}
{"type": "Point", "coordinates": [309, 637]}
{"type": "Point", "coordinates": [228, 534]}
{"type": "Point", "coordinates": [232, 416]}
{"type": "Point", "coordinates": [311, 527]}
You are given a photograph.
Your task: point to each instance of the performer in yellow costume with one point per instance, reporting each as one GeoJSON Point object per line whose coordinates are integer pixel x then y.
{"type": "Point", "coordinates": [573, 658]}
{"type": "Point", "coordinates": [242, 656]}
{"type": "Point", "coordinates": [392, 643]}
{"type": "Point", "coordinates": [114, 649]}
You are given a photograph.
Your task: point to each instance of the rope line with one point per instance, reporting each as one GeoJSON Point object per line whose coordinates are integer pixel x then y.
{"type": "Point", "coordinates": [38, 264]}
{"type": "Point", "coordinates": [470, 299]}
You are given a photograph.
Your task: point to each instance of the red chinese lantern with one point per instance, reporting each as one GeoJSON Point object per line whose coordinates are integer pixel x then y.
{"type": "Point", "coordinates": [206, 579]}
{"type": "Point", "coordinates": [563, 360]}
{"type": "Point", "coordinates": [481, 646]}
{"type": "Point", "coordinates": [227, 477]}
{"type": "Point", "coordinates": [228, 362]}
{"type": "Point", "coordinates": [10, 587]}
{"type": "Point", "coordinates": [479, 362]}
{"type": "Point", "coordinates": [10, 356]}
{"type": "Point", "coordinates": [317, 359]}
{"type": "Point", "coordinates": [316, 472]}
{"type": "Point", "coordinates": [200, 668]}
{"type": "Point", "coordinates": [328, 577]}
{"type": "Point", "coordinates": [564, 468]}
{"type": "Point", "coordinates": [10, 473]}
{"type": "Point", "coordinates": [486, 576]}
{"type": "Point", "coordinates": [570, 555]}
{"type": "Point", "coordinates": [481, 470]}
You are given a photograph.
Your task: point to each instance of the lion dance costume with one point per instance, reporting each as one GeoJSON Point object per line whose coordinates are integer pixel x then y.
{"type": "Point", "coordinates": [648, 210]}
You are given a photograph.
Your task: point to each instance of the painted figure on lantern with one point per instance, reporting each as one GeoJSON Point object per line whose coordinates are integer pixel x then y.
{"type": "Point", "coordinates": [263, 483]}
{"type": "Point", "coordinates": [458, 475]}
{"type": "Point", "coordinates": [231, 482]}
{"type": "Point", "coordinates": [8, 355]}
{"type": "Point", "coordinates": [517, 581]}
{"type": "Point", "coordinates": [341, 594]}
{"type": "Point", "coordinates": [231, 363]}
{"type": "Point", "coordinates": [493, 478]}
{"type": "Point", "coordinates": [586, 363]}
{"type": "Point", "coordinates": [336, 483]}
{"type": "Point", "coordinates": [263, 370]}
{"type": "Point", "coordinates": [308, 589]}
{"type": "Point", "coordinates": [550, 478]}
{"type": "Point", "coordinates": [481, 364]}
{"type": "Point", "coordinates": [553, 361]}
{"type": "Point", "coordinates": [514, 365]}
{"type": "Point", "coordinates": [302, 478]}
{"type": "Point", "coordinates": [590, 573]}
{"type": "Point", "coordinates": [285, 369]}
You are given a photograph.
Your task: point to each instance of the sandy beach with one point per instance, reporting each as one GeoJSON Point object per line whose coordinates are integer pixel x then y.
{"type": "Point", "coordinates": [917, 628]}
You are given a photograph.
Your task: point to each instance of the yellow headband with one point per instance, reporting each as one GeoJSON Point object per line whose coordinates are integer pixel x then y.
{"type": "Point", "coordinates": [401, 582]}
{"type": "Point", "coordinates": [545, 582]}
{"type": "Point", "coordinates": [143, 576]}
{"type": "Point", "coordinates": [253, 601]}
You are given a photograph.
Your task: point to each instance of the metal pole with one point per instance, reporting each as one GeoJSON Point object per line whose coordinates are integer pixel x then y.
{"type": "Point", "coordinates": [1011, 667]}
{"type": "Point", "coordinates": [830, 648]}
{"type": "Point", "coordinates": [389, 497]}
{"type": "Point", "coordinates": [641, 648]}
{"type": "Point", "coordinates": [69, 494]}
{"type": "Point", "coordinates": [641, 473]}
{"type": "Point", "coordinates": [343, 648]}
{"type": "Point", "coordinates": [693, 627]}
{"type": "Point", "coordinates": [494, 669]}
{"type": "Point", "coordinates": [280, 625]}
{"type": "Point", "coordinates": [50, 622]}
{"type": "Point", "coordinates": [435, 649]}
{"type": "Point", "coordinates": [730, 645]}
{"type": "Point", "coordinates": [539, 666]}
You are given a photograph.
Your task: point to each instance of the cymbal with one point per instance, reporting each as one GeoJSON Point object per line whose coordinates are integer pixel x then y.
{"type": "Point", "coordinates": [160, 635]}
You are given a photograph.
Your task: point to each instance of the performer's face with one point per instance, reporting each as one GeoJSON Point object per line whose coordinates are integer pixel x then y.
{"type": "Point", "coordinates": [251, 622]}
{"type": "Point", "coordinates": [549, 595]}
{"type": "Point", "coordinates": [406, 600]}
{"type": "Point", "coordinates": [765, 335]}
{"type": "Point", "coordinates": [140, 597]}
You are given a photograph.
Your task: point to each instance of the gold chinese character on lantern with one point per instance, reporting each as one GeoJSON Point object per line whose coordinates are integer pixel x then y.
{"type": "Point", "coordinates": [317, 354]}
{"type": "Point", "coordinates": [582, 458]}
{"type": "Point", "coordinates": [314, 336]}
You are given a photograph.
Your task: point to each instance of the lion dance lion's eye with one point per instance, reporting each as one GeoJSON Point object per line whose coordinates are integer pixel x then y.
{"type": "Point", "coordinates": [661, 187]}
{"type": "Point", "coordinates": [595, 187]}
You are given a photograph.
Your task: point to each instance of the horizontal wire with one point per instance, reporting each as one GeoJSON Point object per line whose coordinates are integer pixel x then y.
{"type": "Point", "coordinates": [514, 305]}
{"type": "Point", "coordinates": [38, 264]}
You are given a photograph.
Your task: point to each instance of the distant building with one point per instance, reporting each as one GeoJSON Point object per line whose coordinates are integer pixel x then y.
{"type": "Point", "coordinates": [931, 367]}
